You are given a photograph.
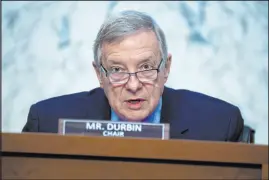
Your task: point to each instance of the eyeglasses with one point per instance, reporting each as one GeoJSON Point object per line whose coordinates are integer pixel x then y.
{"type": "Point", "coordinates": [145, 76]}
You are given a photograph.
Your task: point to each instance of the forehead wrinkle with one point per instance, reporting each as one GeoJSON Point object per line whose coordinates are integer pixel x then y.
{"type": "Point", "coordinates": [120, 51]}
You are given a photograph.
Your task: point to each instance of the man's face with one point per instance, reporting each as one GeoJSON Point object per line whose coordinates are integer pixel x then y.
{"type": "Point", "coordinates": [134, 100]}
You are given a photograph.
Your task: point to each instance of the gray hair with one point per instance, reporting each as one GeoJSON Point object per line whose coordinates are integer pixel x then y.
{"type": "Point", "coordinates": [125, 23]}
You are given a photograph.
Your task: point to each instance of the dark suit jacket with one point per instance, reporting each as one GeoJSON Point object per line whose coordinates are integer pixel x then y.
{"type": "Point", "coordinates": [191, 115]}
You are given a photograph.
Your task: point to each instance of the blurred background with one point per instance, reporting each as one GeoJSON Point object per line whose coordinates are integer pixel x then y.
{"type": "Point", "coordinates": [218, 48]}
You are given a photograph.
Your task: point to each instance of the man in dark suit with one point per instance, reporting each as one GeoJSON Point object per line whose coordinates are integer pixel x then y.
{"type": "Point", "coordinates": [132, 65]}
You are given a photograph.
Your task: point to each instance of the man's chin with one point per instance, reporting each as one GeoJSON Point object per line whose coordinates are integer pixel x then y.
{"type": "Point", "coordinates": [135, 117]}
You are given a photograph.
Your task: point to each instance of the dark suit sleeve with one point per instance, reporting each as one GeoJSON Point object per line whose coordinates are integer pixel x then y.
{"type": "Point", "coordinates": [236, 126]}
{"type": "Point", "coordinates": [32, 120]}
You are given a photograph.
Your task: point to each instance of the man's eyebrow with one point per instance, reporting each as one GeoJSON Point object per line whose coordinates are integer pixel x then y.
{"type": "Point", "coordinates": [114, 61]}
{"type": "Point", "coordinates": [144, 60]}
{"type": "Point", "coordinates": [150, 59]}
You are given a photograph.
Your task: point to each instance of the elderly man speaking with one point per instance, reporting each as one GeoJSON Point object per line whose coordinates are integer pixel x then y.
{"type": "Point", "coordinates": [132, 65]}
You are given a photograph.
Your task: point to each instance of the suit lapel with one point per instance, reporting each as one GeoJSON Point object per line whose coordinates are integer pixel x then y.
{"type": "Point", "coordinates": [98, 106]}
{"type": "Point", "coordinates": [174, 114]}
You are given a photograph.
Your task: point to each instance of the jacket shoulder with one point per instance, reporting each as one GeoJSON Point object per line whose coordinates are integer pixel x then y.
{"type": "Point", "coordinates": [198, 99]}
{"type": "Point", "coordinates": [73, 105]}
{"type": "Point", "coordinates": [44, 115]}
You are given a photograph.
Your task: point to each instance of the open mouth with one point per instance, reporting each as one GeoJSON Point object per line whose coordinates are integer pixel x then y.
{"type": "Point", "coordinates": [135, 104]}
{"type": "Point", "coordinates": [135, 101]}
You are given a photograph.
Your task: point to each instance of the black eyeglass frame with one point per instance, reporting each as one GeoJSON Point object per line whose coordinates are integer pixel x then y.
{"type": "Point", "coordinates": [107, 73]}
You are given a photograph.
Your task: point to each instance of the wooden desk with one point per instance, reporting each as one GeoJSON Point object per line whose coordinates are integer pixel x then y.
{"type": "Point", "coordinates": [52, 156]}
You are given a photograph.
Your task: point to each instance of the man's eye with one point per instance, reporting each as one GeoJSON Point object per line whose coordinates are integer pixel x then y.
{"type": "Point", "coordinates": [146, 67]}
{"type": "Point", "coordinates": [116, 69]}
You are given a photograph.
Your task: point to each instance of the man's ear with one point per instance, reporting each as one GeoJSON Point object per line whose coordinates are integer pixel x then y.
{"type": "Point", "coordinates": [167, 67]}
{"type": "Point", "coordinates": [98, 73]}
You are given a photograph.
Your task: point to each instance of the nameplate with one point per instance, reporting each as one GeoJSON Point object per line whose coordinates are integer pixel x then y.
{"type": "Point", "coordinates": [116, 129]}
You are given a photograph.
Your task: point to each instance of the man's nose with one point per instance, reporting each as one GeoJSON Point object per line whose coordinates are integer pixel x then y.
{"type": "Point", "coordinates": [133, 83]}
